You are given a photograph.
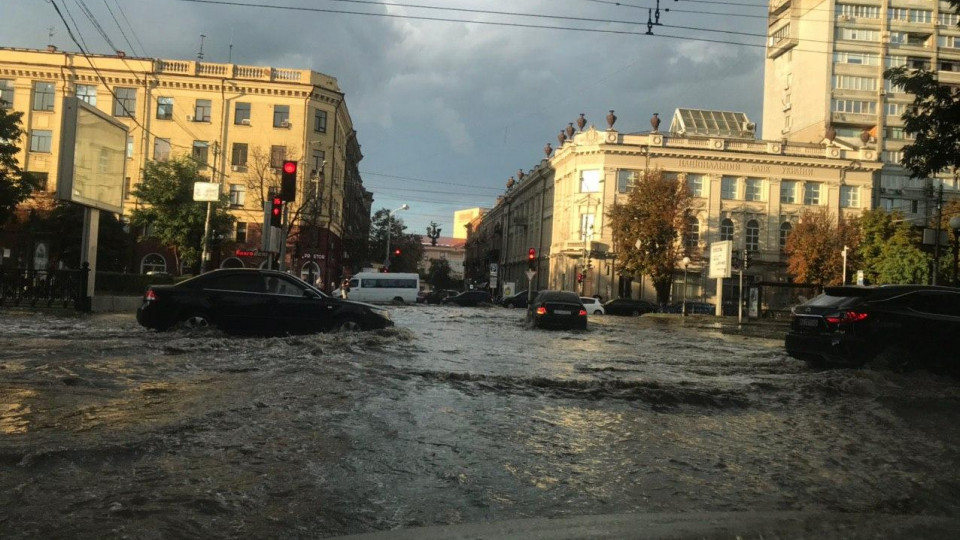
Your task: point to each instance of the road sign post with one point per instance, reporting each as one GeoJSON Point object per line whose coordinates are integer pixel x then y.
{"type": "Point", "coordinates": [530, 274]}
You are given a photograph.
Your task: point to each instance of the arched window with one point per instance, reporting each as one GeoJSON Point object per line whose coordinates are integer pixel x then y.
{"type": "Point", "coordinates": [692, 240]}
{"type": "Point", "coordinates": [726, 229]}
{"type": "Point", "coordinates": [153, 262]}
{"type": "Point", "coordinates": [753, 235]}
{"type": "Point", "coordinates": [785, 229]}
{"type": "Point", "coordinates": [308, 268]}
{"type": "Point", "coordinates": [231, 262]}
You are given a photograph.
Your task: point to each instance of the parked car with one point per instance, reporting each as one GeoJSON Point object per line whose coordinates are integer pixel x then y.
{"type": "Point", "coordinates": [518, 300]}
{"type": "Point", "coordinates": [629, 306]}
{"type": "Point", "coordinates": [254, 301]}
{"type": "Point", "coordinates": [437, 296]}
{"type": "Point", "coordinates": [557, 309]}
{"type": "Point", "coordinates": [592, 305]}
{"type": "Point", "coordinates": [693, 308]}
{"type": "Point", "coordinates": [469, 299]}
{"type": "Point", "coordinates": [895, 324]}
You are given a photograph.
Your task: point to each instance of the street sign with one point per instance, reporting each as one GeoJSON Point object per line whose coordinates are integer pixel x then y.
{"type": "Point", "coordinates": [530, 274]}
{"type": "Point", "coordinates": [493, 268]}
{"type": "Point", "coordinates": [508, 288]}
{"type": "Point", "coordinates": [206, 192]}
{"type": "Point", "coordinates": [860, 277]}
{"type": "Point", "coordinates": [720, 255]}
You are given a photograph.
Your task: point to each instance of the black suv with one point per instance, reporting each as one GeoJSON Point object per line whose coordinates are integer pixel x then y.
{"type": "Point", "coordinates": [896, 324]}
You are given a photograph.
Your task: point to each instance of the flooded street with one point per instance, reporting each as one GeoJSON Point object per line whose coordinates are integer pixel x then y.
{"type": "Point", "coordinates": [456, 415]}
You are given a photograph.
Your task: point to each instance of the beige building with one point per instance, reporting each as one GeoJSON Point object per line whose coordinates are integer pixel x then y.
{"type": "Point", "coordinates": [824, 77]}
{"type": "Point", "coordinates": [239, 122]}
{"type": "Point", "coordinates": [447, 248]}
{"type": "Point", "coordinates": [461, 218]}
{"type": "Point", "coordinates": [750, 191]}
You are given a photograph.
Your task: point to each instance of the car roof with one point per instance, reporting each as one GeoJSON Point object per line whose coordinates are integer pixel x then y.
{"type": "Point", "coordinates": [881, 292]}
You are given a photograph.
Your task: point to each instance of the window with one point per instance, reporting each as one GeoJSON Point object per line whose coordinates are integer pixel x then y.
{"type": "Point", "coordinates": [857, 34]}
{"type": "Point", "coordinates": [153, 262]}
{"type": "Point", "coordinates": [854, 106]}
{"type": "Point", "coordinates": [785, 229]}
{"type": "Point", "coordinates": [43, 96]}
{"type": "Point", "coordinates": [897, 14]}
{"type": "Point", "coordinates": [125, 102]}
{"type": "Point", "coordinates": [849, 82]}
{"type": "Point", "coordinates": [849, 196]}
{"type": "Point", "coordinates": [200, 152]}
{"type": "Point", "coordinates": [895, 109]}
{"type": "Point", "coordinates": [866, 59]}
{"type": "Point", "coordinates": [788, 191]}
{"type": "Point", "coordinates": [726, 229]}
{"type": "Point", "coordinates": [241, 113]}
{"type": "Point", "coordinates": [949, 42]}
{"type": "Point", "coordinates": [695, 185]}
{"type": "Point", "coordinates": [278, 154]}
{"type": "Point", "coordinates": [281, 116]}
{"type": "Point", "coordinates": [779, 35]}
{"type": "Point", "coordinates": [692, 238]}
{"type": "Point", "coordinates": [896, 133]}
{"type": "Point", "coordinates": [948, 19]}
{"type": "Point", "coordinates": [895, 61]}
{"type": "Point", "coordinates": [320, 121]}
{"type": "Point", "coordinates": [626, 180]}
{"type": "Point", "coordinates": [316, 164]}
{"type": "Point", "coordinates": [42, 180]}
{"type": "Point", "coordinates": [754, 189]}
{"type": "Point", "coordinates": [161, 149]}
{"type": "Point", "coordinates": [129, 146]}
{"type": "Point", "coordinates": [202, 110]}
{"type": "Point", "coordinates": [858, 11]}
{"type": "Point", "coordinates": [6, 93]}
{"type": "Point", "coordinates": [811, 193]}
{"type": "Point", "coordinates": [728, 187]}
{"type": "Point", "coordinates": [41, 140]}
{"type": "Point", "coordinates": [890, 87]}
{"type": "Point", "coordinates": [891, 156]}
{"type": "Point", "coordinates": [914, 207]}
{"type": "Point", "coordinates": [87, 93]}
{"type": "Point", "coordinates": [590, 181]}
{"type": "Point", "coordinates": [127, 187]}
{"type": "Point", "coordinates": [241, 234]}
{"type": "Point", "coordinates": [753, 235]}
{"type": "Point", "coordinates": [165, 108]}
{"type": "Point", "coordinates": [586, 226]}
{"type": "Point", "coordinates": [238, 155]}
{"type": "Point", "coordinates": [238, 193]}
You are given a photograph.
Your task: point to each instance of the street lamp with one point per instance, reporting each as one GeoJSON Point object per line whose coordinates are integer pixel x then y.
{"type": "Point", "coordinates": [686, 263]}
{"type": "Point", "coordinates": [955, 225]}
{"type": "Point", "coordinates": [386, 261]}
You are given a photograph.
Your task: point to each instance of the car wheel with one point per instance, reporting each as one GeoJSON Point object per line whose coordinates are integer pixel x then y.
{"type": "Point", "coordinates": [509, 305]}
{"type": "Point", "coordinates": [893, 358]}
{"type": "Point", "coordinates": [348, 325]}
{"type": "Point", "coordinates": [398, 300]}
{"type": "Point", "coordinates": [196, 321]}
{"type": "Point", "coordinates": [635, 313]}
{"type": "Point", "coordinates": [597, 312]}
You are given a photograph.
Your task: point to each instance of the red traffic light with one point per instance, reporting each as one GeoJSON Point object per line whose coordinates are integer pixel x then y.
{"type": "Point", "coordinates": [290, 167]}
{"type": "Point", "coordinates": [396, 252]}
{"type": "Point", "coordinates": [532, 254]}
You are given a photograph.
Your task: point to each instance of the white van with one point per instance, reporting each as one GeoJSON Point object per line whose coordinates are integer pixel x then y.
{"type": "Point", "coordinates": [383, 287]}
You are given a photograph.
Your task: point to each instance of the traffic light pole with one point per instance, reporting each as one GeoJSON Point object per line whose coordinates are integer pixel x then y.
{"type": "Point", "coordinates": [283, 237]}
{"type": "Point", "coordinates": [205, 252]}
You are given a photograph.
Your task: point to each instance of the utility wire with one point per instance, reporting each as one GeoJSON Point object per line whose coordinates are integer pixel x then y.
{"type": "Point", "coordinates": [371, 173]}
{"type": "Point", "coordinates": [130, 26]}
{"type": "Point", "coordinates": [122, 33]}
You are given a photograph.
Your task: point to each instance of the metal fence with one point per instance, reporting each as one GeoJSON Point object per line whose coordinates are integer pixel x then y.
{"type": "Point", "coordinates": [44, 288]}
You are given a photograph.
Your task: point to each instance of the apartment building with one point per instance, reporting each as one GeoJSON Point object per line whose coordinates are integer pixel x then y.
{"type": "Point", "coordinates": [752, 192]}
{"type": "Point", "coordinates": [824, 80]}
{"type": "Point", "coordinates": [239, 122]}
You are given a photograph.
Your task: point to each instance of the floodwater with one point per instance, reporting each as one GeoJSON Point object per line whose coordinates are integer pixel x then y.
{"type": "Point", "coordinates": [456, 415]}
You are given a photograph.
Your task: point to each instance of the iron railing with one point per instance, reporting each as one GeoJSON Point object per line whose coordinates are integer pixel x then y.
{"type": "Point", "coordinates": [44, 288]}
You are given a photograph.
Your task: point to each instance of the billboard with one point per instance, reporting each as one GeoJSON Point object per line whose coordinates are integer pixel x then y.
{"type": "Point", "coordinates": [720, 254]}
{"type": "Point", "coordinates": [92, 157]}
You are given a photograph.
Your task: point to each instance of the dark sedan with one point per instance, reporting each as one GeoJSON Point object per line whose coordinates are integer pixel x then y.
{"type": "Point", "coordinates": [254, 301]}
{"type": "Point", "coordinates": [628, 306]}
{"type": "Point", "coordinates": [469, 299]}
{"type": "Point", "coordinates": [518, 300]}
{"type": "Point", "coordinates": [557, 309]}
{"type": "Point", "coordinates": [895, 325]}
{"type": "Point", "coordinates": [693, 308]}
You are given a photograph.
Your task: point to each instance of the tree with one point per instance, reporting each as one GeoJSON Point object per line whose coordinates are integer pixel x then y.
{"type": "Point", "coordinates": [815, 246]}
{"type": "Point", "coordinates": [933, 120]}
{"type": "Point", "coordinates": [62, 225]}
{"type": "Point", "coordinates": [263, 179]}
{"type": "Point", "coordinates": [649, 228]}
{"type": "Point", "coordinates": [171, 213]}
{"type": "Point", "coordinates": [888, 251]}
{"type": "Point", "coordinates": [411, 249]}
{"type": "Point", "coordinates": [15, 185]}
{"type": "Point", "coordinates": [438, 275]}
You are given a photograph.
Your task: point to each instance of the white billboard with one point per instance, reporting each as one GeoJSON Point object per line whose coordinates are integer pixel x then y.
{"type": "Point", "coordinates": [720, 255]}
{"type": "Point", "coordinates": [92, 157]}
{"type": "Point", "coordinates": [206, 192]}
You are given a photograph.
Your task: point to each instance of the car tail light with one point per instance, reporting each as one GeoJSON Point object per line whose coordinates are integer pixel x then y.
{"type": "Point", "coordinates": [541, 310]}
{"type": "Point", "coordinates": [150, 296]}
{"type": "Point", "coordinates": [583, 313]}
{"type": "Point", "coordinates": [846, 317]}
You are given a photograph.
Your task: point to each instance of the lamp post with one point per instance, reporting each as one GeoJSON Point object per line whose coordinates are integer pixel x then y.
{"type": "Point", "coordinates": [386, 261]}
{"type": "Point", "coordinates": [844, 275]}
{"type": "Point", "coordinates": [686, 263]}
{"type": "Point", "coordinates": [955, 225]}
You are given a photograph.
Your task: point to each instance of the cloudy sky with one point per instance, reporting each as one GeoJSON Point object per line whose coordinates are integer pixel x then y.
{"type": "Point", "coordinates": [447, 111]}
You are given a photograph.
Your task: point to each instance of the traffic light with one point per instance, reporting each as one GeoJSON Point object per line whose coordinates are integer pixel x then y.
{"type": "Point", "coordinates": [396, 252]}
{"type": "Point", "coordinates": [579, 277]}
{"type": "Point", "coordinates": [276, 211]}
{"type": "Point", "coordinates": [288, 181]}
{"type": "Point", "coordinates": [532, 259]}
{"type": "Point", "coordinates": [746, 259]}
{"type": "Point", "coordinates": [736, 261]}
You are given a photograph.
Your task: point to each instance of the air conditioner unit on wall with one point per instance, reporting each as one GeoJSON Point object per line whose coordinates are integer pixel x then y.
{"type": "Point", "coordinates": [189, 118]}
{"type": "Point", "coordinates": [245, 121]}
{"type": "Point", "coordinates": [843, 18]}
{"type": "Point", "coordinates": [285, 124]}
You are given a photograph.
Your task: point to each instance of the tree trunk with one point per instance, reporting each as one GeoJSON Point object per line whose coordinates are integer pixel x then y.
{"type": "Point", "coordinates": [662, 286]}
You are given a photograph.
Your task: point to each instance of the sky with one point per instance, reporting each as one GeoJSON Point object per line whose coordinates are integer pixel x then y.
{"type": "Point", "coordinates": [446, 111]}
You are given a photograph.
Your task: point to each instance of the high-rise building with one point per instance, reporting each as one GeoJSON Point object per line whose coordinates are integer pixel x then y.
{"type": "Point", "coordinates": [239, 122]}
{"type": "Point", "coordinates": [824, 80]}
